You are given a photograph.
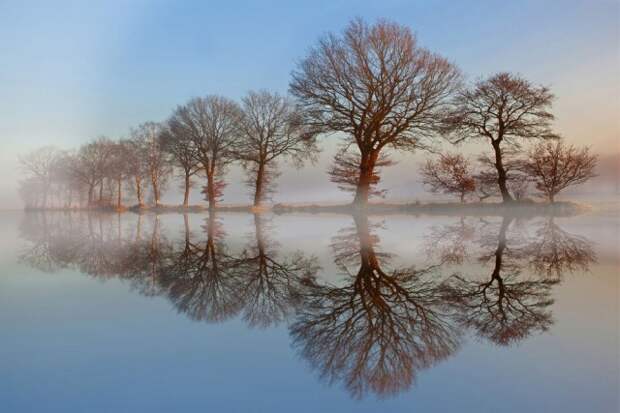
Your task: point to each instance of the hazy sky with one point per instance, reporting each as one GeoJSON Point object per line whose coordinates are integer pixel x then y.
{"type": "Point", "coordinates": [70, 71]}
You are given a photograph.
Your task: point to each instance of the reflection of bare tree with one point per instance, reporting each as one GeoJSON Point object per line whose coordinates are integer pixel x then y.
{"type": "Point", "coordinates": [555, 252]}
{"type": "Point", "coordinates": [85, 242]}
{"type": "Point", "coordinates": [378, 329]}
{"type": "Point", "coordinates": [505, 308]}
{"type": "Point", "coordinates": [46, 251]}
{"type": "Point", "coordinates": [451, 243]}
{"type": "Point", "coordinates": [200, 277]}
{"type": "Point", "coordinates": [270, 284]}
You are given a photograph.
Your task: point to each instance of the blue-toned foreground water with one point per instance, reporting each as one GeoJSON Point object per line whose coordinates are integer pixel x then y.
{"type": "Point", "coordinates": [308, 313]}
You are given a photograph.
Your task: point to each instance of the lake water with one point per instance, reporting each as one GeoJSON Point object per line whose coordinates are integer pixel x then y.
{"type": "Point", "coordinates": [308, 313]}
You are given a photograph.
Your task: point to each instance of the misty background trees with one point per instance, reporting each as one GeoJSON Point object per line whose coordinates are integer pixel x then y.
{"type": "Point", "coordinates": [374, 89]}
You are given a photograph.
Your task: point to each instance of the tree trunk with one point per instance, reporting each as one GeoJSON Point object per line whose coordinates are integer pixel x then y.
{"type": "Point", "coordinates": [91, 189]}
{"type": "Point", "coordinates": [101, 192]}
{"type": "Point", "coordinates": [501, 174]}
{"type": "Point", "coordinates": [139, 227]}
{"type": "Point", "coordinates": [501, 246]}
{"type": "Point", "coordinates": [186, 195]}
{"type": "Point", "coordinates": [258, 191]}
{"type": "Point", "coordinates": [139, 192]}
{"type": "Point", "coordinates": [45, 195]}
{"type": "Point", "coordinates": [367, 167]}
{"type": "Point", "coordinates": [211, 190]}
{"type": "Point", "coordinates": [119, 196]}
{"type": "Point", "coordinates": [186, 226]}
{"type": "Point", "coordinates": [552, 198]}
{"type": "Point", "coordinates": [462, 198]}
{"type": "Point", "coordinates": [155, 190]}
{"type": "Point", "coordinates": [260, 236]}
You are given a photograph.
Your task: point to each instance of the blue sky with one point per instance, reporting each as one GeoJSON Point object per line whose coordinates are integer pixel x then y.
{"type": "Point", "coordinates": [70, 71]}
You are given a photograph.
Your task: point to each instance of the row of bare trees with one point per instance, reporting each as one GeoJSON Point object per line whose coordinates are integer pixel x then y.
{"type": "Point", "coordinates": [97, 173]}
{"type": "Point", "coordinates": [374, 88]}
{"type": "Point", "coordinates": [201, 138]}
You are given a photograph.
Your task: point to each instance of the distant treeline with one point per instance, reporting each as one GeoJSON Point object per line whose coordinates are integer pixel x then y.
{"type": "Point", "coordinates": [376, 87]}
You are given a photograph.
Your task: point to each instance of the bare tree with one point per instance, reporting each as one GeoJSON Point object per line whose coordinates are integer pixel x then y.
{"type": "Point", "coordinates": [136, 166]}
{"type": "Point", "coordinates": [89, 164]}
{"type": "Point", "coordinates": [176, 141]}
{"type": "Point", "coordinates": [271, 128]}
{"type": "Point", "coordinates": [118, 169]}
{"type": "Point", "coordinates": [211, 124]}
{"type": "Point", "coordinates": [104, 148]}
{"type": "Point", "coordinates": [158, 167]}
{"type": "Point", "coordinates": [449, 174]}
{"type": "Point", "coordinates": [555, 166]}
{"type": "Point", "coordinates": [504, 109]}
{"type": "Point", "coordinates": [39, 165]}
{"type": "Point", "coordinates": [376, 85]}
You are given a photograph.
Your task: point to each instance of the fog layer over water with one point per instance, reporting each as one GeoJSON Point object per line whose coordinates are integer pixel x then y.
{"type": "Point", "coordinates": [242, 312]}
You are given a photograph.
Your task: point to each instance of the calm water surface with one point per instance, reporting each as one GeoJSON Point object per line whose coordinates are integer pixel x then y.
{"type": "Point", "coordinates": [308, 313]}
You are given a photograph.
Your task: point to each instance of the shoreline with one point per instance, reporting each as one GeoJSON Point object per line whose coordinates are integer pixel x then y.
{"type": "Point", "coordinates": [524, 208]}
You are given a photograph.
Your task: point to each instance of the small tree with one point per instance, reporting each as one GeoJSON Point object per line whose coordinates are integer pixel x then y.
{"type": "Point", "coordinates": [449, 174]}
{"type": "Point", "coordinates": [555, 166]}
{"type": "Point", "coordinates": [505, 110]}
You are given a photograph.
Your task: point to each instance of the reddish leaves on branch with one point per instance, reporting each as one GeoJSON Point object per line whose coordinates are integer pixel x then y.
{"type": "Point", "coordinates": [345, 171]}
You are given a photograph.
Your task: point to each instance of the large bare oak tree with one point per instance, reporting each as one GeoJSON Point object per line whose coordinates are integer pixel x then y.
{"type": "Point", "coordinates": [377, 86]}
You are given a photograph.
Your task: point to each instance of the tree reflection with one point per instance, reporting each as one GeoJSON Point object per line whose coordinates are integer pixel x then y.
{"type": "Point", "coordinates": [504, 308]}
{"type": "Point", "coordinates": [201, 276]}
{"type": "Point", "coordinates": [380, 327]}
{"type": "Point", "coordinates": [515, 303]}
{"type": "Point", "coordinates": [270, 284]}
{"type": "Point", "coordinates": [555, 252]}
{"type": "Point", "coordinates": [376, 328]}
